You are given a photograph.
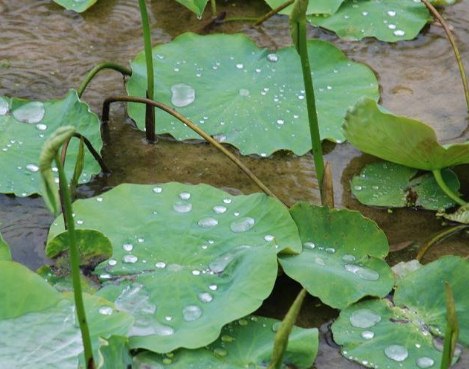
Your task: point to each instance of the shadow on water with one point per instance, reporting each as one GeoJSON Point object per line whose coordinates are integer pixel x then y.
{"type": "Point", "coordinates": [45, 50]}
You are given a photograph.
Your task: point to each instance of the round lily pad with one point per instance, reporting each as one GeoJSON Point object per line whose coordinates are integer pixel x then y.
{"type": "Point", "coordinates": [186, 259]}
{"type": "Point", "coordinates": [393, 185]}
{"type": "Point", "coordinates": [407, 331]}
{"type": "Point", "coordinates": [245, 343]}
{"type": "Point", "coordinates": [249, 97]}
{"type": "Point", "coordinates": [24, 127]}
{"type": "Point", "coordinates": [386, 20]}
{"type": "Point", "coordinates": [342, 258]}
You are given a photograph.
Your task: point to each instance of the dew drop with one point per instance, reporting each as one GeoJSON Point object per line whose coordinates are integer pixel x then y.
{"type": "Point", "coordinates": [364, 14]}
{"type": "Point", "coordinates": [391, 13]}
{"type": "Point", "coordinates": [182, 95]}
{"type": "Point", "coordinates": [269, 238]}
{"type": "Point", "coordinates": [396, 352]}
{"type": "Point", "coordinates": [105, 276]}
{"type": "Point", "coordinates": [205, 297]}
{"type": "Point", "coordinates": [4, 106]}
{"type": "Point", "coordinates": [128, 247]}
{"type": "Point", "coordinates": [244, 92]}
{"type": "Point", "coordinates": [280, 122]}
{"type": "Point", "coordinates": [219, 209]}
{"type": "Point", "coordinates": [32, 112]}
{"type": "Point", "coordinates": [220, 264]}
{"type": "Point", "coordinates": [164, 330]}
{"type": "Point", "coordinates": [220, 352]}
{"type": "Point", "coordinates": [272, 58]}
{"type": "Point", "coordinates": [227, 201]}
{"type": "Point", "coordinates": [157, 189]}
{"type": "Point", "coordinates": [99, 199]}
{"type": "Point", "coordinates": [425, 362]}
{"type": "Point", "coordinates": [368, 335]}
{"type": "Point", "coordinates": [41, 127]}
{"type": "Point", "coordinates": [130, 259]}
{"type": "Point", "coordinates": [213, 287]}
{"type": "Point", "coordinates": [362, 272]}
{"type": "Point", "coordinates": [32, 167]}
{"type": "Point", "coordinates": [392, 26]}
{"type": "Point", "coordinates": [191, 313]}
{"type": "Point", "coordinates": [242, 224]}
{"type": "Point", "coordinates": [319, 261]}
{"type": "Point", "coordinates": [182, 207]}
{"type": "Point", "coordinates": [358, 188]}
{"type": "Point", "coordinates": [227, 338]}
{"type": "Point", "coordinates": [348, 258]}
{"type": "Point", "coordinates": [309, 245]}
{"type": "Point", "coordinates": [399, 33]}
{"type": "Point", "coordinates": [160, 265]}
{"type": "Point", "coordinates": [208, 222]}
{"type": "Point", "coordinates": [330, 250]}
{"type": "Point", "coordinates": [105, 310]}
{"type": "Point", "coordinates": [239, 66]}
{"type": "Point", "coordinates": [196, 272]}
{"type": "Point", "coordinates": [112, 262]}
{"type": "Point", "coordinates": [364, 318]}
{"type": "Point", "coordinates": [184, 195]}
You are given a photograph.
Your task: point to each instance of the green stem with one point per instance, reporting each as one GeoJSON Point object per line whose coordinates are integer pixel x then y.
{"type": "Point", "coordinates": [452, 329]}
{"type": "Point", "coordinates": [440, 181]}
{"type": "Point", "coordinates": [452, 41]}
{"type": "Point", "coordinates": [311, 105]}
{"type": "Point", "coordinates": [270, 14]}
{"type": "Point", "coordinates": [93, 72]}
{"type": "Point", "coordinates": [214, 7]}
{"type": "Point", "coordinates": [440, 236]}
{"type": "Point", "coordinates": [75, 265]}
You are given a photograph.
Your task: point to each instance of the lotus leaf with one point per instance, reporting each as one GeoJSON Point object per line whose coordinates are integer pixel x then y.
{"type": "Point", "coordinates": [249, 97]}
{"type": "Point", "coordinates": [25, 125]}
{"type": "Point", "coordinates": [246, 343]}
{"type": "Point", "coordinates": [400, 139]}
{"type": "Point", "coordinates": [387, 20]}
{"type": "Point", "coordinates": [314, 7]}
{"type": "Point", "coordinates": [186, 258]}
{"type": "Point", "coordinates": [116, 353]}
{"type": "Point", "coordinates": [342, 258]}
{"type": "Point", "coordinates": [38, 323]}
{"type": "Point", "coordinates": [5, 253]}
{"type": "Point", "coordinates": [406, 332]}
{"type": "Point", "coordinates": [196, 6]}
{"type": "Point", "coordinates": [76, 5]}
{"type": "Point", "coordinates": [393, 185]}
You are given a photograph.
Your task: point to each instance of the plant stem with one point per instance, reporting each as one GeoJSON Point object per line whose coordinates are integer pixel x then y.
{"type": "Point", "coordinates": [195, 128]}
{"type": "Point", "coordinates": [440, 236]}
{"type": "Point", "coordinates": [281, 338]}
{"type": "Point", "coordinates": [93, 72]}
{"type": "Point", "coordinates": [150, 112]}
{"type": "Point", "coordinates": [270, 14]}
{"type": "Point", "coordinates": [452, 41]}
{"type": "Point", "coordinates": [440, 181]}
{"type": "Point", "coordinates": [452, 329]}
{"type": "Point", "coordinates": [213, 3]}
{"type": "Point", "coordinates": [75, 265]}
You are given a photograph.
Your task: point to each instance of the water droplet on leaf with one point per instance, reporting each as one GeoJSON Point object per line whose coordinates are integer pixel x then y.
{"type": "Point", "coordinates": [31, 112]}
{"type": "Point", "coordinates": [396, 352]}
{"type": "Point", "coordinates": [364, 318]}
{"type": "Point", "coordinates": [182, 95]}
{"type": "Point", "coordinates": [242, 225]}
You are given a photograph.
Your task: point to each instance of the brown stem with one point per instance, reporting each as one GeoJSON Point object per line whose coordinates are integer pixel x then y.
{"type": "Point", "coordinates": [93, 152]}
{"type": "Point", "coordinates": [438, 238]}
{"type": "Point", "coordinates": [273, 12]}
{"type": "Point", "coordinates": [452, 41]}
{"type": "Point", "coordinates": [150, 122]}
{"type": "Point", "coordinates": [188, 123]}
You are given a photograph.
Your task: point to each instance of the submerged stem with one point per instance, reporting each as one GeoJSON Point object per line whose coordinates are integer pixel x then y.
{"type": "Point", "coordinates": [191, 125]}
{"type": "Point", "coordinates": [452, 41]}
{"type": "Point", "coordinates": [440, 236]}
{"type": "Point", "coordinates": [440, 181]}
{"type": "Point", "coordinates": [75, 265]}
{"type": "Point", "coordinates": [101, 66]}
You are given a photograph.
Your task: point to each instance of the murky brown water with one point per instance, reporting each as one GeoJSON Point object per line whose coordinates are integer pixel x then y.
{"type": "Point", "coordinates": [45, 50]}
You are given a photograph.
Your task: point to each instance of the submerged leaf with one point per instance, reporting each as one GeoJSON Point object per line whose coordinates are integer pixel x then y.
{"type": "Point", "coordinates": [186, 259]}
{"type": "Point", "coordinates": [387, 20]}
{"type": "Point", "coordinates": [245, 343]}
{"type": "Point", "coordinates": [249, 97]}
{"type": "Point", "coordinates": [342, 255]}
{"type": "Point", "coordinates": [5, 253]}
{"type": "Point", "coordinates": [393, 185]}
{"type": "Point", "coordinates": [399, 139]}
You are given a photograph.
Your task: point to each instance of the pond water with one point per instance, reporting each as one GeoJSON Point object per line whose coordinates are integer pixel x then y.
{"type": "Point", "coordinates": [45, 50]}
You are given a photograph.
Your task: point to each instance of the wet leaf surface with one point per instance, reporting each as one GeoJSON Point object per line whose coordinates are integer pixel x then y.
{"type": "Point", "coordinates": [314, 7]}
{"type": "Point", "coordinates": [196, 6]}
{"type": "Point", "coordinates": [78, 6]}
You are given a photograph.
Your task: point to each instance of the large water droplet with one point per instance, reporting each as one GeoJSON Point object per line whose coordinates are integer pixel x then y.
{"type": "Point", "coordinates": [396, 352]}
{"type": "Point", "coordinates": [32, 167]}
{"type": "Point", "coordinates": [208, 222]}
{"type": "Point", "coordinates": [32, 112]}
{"type": "Point", "coordinates": [4, 106]}
{"type": "Point", "coordinates": [182, 207]}
{"type": "Point", "coordinates": [220, 264]}
{"type": "Point", "coordinates": [205, 297]}
{"type": "Point", "coordinates": [425, 362]}
{"type": "Point", "coordinates": [191, 313]}
{"type": "Point", "coordinates": [182, 95]}
{"type": "Point", "coordinates": [242, 224]}
{"type": "Point", "coordinates": [364, 318]}
{"type": "Point", "coordinates": [362, 272]}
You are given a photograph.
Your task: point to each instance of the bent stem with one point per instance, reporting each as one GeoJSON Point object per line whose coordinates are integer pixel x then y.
{"type": "Point", "coordinates": [298, 33]}
{"type": "Point", "coordinates": [452, 41]}
{"type": "Point", "coordinates": [440, 181]}
{"type": "Point", "coordinates": [270, 14]}
{"type": "Point", "coordinates": [98, 68]}
{"type": "Point", "coordinates": [281, 338]}
{"type": "Point", "coordinates": [191, 125]}
{"type": "Point", "coordinates": [150, 112]}
{"type": "Point", "coordinates": [440, 236]}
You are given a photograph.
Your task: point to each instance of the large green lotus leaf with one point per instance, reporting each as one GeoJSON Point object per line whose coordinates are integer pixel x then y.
{"type": "Point", "coordinates": [116, 353]}
{"type": "Point", "coordinates": [314, 6]}
{"type": "Point", "coordinates": [5, 253]}
{"type": "Point", "coordinates": [186, 258]}
{"type": "Point", "coordinates": [393, 185]}
{"type": "Point", "coordinates": [196, 6]}
{"type": "Point", "coordinates": [249, 97]}
{"type": "Point", "coordinates": [399, 139]}
{"type": "Point", "coordinates": [246, 343]}
{"type": "Point", "coordinates": [387, 20]}
{"type": "Point", "coordinates": [342, 255]}
{"type": "Point", "coordinates": [406, 333]}
{"type": "Point", "coordinates": [25, 125]}
{"type": "Point", "coordinates": [38, 323]}
{"type": "Point", "coordinates": [76, 5]}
